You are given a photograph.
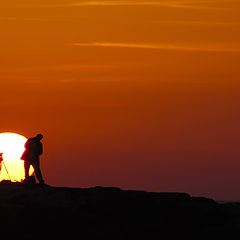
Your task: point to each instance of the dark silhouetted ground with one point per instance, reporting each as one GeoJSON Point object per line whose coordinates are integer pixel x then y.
{"type": "Point", "coordinates": [39, 212]}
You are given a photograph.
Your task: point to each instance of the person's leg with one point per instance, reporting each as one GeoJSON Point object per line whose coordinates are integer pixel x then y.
{"type": "Point", "coordinates": [36, 166]}
{"type": "Point", "coordinates": [26, 169]}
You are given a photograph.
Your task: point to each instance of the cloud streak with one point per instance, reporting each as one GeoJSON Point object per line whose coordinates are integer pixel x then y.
{"type": "Point", "coordinates": [171, 4]}
{"type": "Point", "coordinates": [170, 47]}
{"type": "Point", "coordinates": [204, 23]}
{"type": "Point", "coordinates": [11, 19]}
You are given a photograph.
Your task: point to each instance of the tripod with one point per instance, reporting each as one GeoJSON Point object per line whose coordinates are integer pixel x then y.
{"type": "Point", "coordinates": [1, 161]}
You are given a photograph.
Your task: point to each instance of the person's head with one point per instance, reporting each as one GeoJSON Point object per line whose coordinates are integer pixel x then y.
{"type": "Point", "coordinates": [39, 136]}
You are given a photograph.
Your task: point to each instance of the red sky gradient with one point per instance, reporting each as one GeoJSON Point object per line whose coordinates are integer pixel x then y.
{"type": "Point", "coordinates": [135, 94]}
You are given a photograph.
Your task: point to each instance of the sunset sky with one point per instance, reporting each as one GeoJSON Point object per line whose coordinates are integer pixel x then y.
{"type": "Point", "coordinates": [135, 94]}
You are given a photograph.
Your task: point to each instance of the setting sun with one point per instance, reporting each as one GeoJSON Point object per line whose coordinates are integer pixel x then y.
{"type": "Point", "coordinates": [12, 147]}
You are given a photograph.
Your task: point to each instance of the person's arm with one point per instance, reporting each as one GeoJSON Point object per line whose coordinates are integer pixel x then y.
{"type": "Point", "coordinates": [40, 149]}
{"type": "Point", "coordinates": [26, 144]}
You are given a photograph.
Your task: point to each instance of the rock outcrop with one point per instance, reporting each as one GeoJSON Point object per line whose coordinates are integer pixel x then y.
{"type": "Point", "coordinates": [34, 211]}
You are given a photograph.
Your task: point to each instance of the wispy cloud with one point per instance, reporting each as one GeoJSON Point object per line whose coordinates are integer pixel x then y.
{"type": "Point", "coordinates": [171, 4]}
{"type": "Point", "coordinates": [159, 47]}
{"type": "Point", "coordinates": [40, 19]}
{"type": "Point", "coordinates": [10, 19]}
{"type": "Point", "coordinates": [209, 23]}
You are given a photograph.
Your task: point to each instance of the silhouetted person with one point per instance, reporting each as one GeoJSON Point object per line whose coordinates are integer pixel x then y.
{"type": "Point", "coordinates": [33, 149]}
{"type": "Point", "coordinates": [1, 159]}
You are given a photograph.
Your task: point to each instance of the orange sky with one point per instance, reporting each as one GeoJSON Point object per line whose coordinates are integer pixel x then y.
{"type": "Point", "coordinates": [136, 94]}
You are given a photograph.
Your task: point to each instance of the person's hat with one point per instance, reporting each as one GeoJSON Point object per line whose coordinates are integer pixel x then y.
{"type": "Point", "coordinates": [40, 136]}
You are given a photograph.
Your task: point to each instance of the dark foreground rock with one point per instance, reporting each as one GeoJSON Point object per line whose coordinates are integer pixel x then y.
{"type": "Point", "coordinates": [37, 212]}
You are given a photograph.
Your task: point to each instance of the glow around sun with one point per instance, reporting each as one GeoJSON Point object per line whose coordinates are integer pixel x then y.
{"type": "Point", "coordinates": [12, 147]}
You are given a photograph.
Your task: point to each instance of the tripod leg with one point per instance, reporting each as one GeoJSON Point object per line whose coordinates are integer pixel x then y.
{"type": "Point", "coordinates": [7, 170]}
